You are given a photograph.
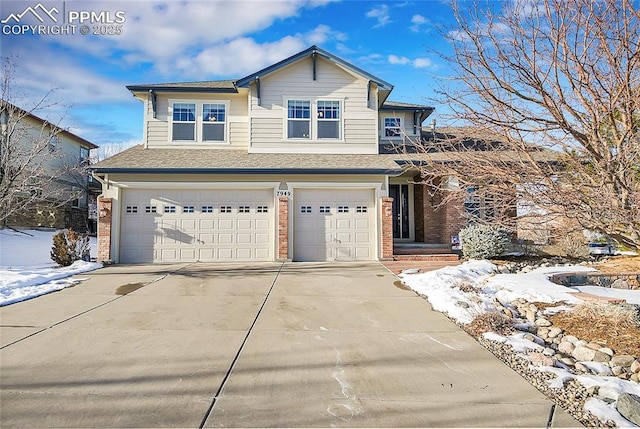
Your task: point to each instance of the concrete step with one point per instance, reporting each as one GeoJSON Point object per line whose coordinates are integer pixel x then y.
{"type": "Point", "coordinates": [431, 257]}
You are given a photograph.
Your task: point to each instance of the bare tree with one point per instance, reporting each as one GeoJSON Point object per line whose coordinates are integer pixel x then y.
{"type": "Point", "coordinates": [34, 168]}
{"type": "Point", "coordinates": [548, 93]}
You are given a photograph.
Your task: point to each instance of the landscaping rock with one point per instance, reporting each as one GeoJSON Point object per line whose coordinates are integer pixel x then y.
{"type": "Point", "coordinates": [635, 366]}
{"type": "Point", "coordinates": [554, 332]}
{"type": "Point", "coordinates": [620, 284]}
{"type": "Point", "coordinates": [582, 353]}
{"type": "Point", "coordinates": [566, 347]}
{"type": "Point", "coordinates": [539, 359]}
{"type": "Point", "coordinates": [601, 357]}
{"type": "Point", "coordinates": [606, 350]}
{"type": "Point", "coordinates": [628, 406]}
{"type": "Point", "coordinates": [542, 322]}
{"type": "Point", "coordinates": [622, 360]}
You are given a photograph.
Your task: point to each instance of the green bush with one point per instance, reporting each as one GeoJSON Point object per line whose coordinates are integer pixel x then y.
{"type": "Point", "coordinates": [69, 246]}
{"type": "Point", "coordinates": [484, 241]}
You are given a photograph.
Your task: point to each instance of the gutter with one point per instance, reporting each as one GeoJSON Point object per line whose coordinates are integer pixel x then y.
{"type": "Point", "coordinates": [261, 171]}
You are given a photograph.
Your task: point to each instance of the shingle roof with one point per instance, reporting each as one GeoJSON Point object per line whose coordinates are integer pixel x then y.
{"type": "Point", "coordinates": [212, 161]}
{"type": "Point", "coordinates": [390, 105]}
{"type": "Point", "coordinates": [209, 85]}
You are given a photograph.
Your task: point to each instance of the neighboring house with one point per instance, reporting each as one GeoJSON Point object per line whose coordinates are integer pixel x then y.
{"type": "Point", "coordinates": [61, 192]}
{"type": "Point", "coordinates": [288, 163]}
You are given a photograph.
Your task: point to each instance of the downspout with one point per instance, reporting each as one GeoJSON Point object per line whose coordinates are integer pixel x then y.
{"type": "Point", "coordinates": [313, 58]}
{"type": "Point", "coordinates": [369, 94]}
{"type": "Point", "coordinates": [258, 90]}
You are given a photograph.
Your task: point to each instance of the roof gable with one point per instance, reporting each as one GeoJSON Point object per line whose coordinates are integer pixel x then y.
{"type": "Point", "coordinates": [311, 52]}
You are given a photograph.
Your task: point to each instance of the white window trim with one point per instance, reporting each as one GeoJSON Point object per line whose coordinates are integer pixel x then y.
{"type": "Point", "coordinates": [199, 121]}
{"type": "Point", "coordinates": [313, 138]}
{"type": "Point", "coordinates": [384, 128]}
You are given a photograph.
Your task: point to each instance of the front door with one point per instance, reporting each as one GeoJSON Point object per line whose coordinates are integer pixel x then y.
{"type": "Point", "coordinates": [400, 195]}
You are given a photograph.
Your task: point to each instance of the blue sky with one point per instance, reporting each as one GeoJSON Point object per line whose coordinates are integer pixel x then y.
{"type": "Point", "coordinates": [172, 41]}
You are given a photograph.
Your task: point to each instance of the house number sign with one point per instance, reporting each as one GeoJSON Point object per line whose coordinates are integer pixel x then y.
{"type": "Point", "coordinates": [283, 193]}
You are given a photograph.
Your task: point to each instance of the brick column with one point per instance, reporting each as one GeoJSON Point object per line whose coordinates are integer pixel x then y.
{"type": "Point", "coordinates": [104, 229]}
{"type": "Point", "coordinates": [387, 228]}
{"type": "Point", "coordinates": [283, 228]}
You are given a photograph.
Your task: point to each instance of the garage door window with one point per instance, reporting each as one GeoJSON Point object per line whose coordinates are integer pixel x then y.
{"type": "Point", "coordinates": [131, 209]}
{"type": "Point", "coordinates": [225, 209]}
{"type": "Point", "coordinates": [207, 209]}
{"type": "Point", "coordinates": [150, 209]}
{"type": "Point", "coordinates": [361, 209]}
{"type": "Point", "coordinates": [343, 209]}
{"type": "Point", "coordinates": [325, 209]}
{"type": "Point", "coordinates": [169, 209]}
{"type": "Point", "coordinates": [188, 209]}
{"type": "Point", "coordinates": [262, 209]}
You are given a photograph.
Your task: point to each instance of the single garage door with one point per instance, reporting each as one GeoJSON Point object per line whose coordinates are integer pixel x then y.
{"type": "Point", "coordinates": [197, 225]}
{"type": "Point", "coordinates": [334, 225]}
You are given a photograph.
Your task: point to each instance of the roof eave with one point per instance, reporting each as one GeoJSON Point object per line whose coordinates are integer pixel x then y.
{"type": "Point", "coordinates": [143, 88]}
{"type": "Point", "coordinates": [260, 171]}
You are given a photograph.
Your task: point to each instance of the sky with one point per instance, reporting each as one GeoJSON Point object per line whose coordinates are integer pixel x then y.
{"type": "Point", "coordinates": [83, 76]}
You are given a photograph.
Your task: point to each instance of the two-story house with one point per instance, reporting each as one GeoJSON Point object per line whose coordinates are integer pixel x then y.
{"type": "Point", "coordinates": [288, 163]}
{"type": "Point", "coordinates": [46, 182]}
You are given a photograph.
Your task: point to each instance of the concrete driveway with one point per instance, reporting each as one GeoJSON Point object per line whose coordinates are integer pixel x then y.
{"type": "Point", "coordinates": [284, 345]}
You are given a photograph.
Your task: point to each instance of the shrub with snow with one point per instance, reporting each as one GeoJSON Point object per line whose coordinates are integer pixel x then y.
{"type": "Point", "coordinates": [69, 246]}
{"type": "Point", "coordinates": [484, 241]}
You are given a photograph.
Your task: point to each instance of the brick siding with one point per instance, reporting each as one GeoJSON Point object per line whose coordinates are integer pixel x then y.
{"type": "Point", "coordinates": [387, 228]}
{"type": "Point", "coordinates": [104, 229]}
{"type": "Point", "coordinates": [283, 228]}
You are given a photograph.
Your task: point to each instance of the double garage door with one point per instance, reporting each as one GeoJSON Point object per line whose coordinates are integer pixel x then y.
{"type": "Point", "coordinates": [240, 225]}
{"type": "Point", "coordinates": [197, 225]}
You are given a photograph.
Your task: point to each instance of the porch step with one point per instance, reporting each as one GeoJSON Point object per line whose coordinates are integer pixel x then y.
{"type": "Point", "coordinates": [433, 257]}
{"type": "Point", "coordinates": [421, 249]}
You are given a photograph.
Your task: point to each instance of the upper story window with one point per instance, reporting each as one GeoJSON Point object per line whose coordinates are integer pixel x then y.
{"type": "Point", "coordinates": [298, 119]}
{"type": "Point", "coordinates": [84, 156]}
{"type": "Point", "coordinates": [198, 121]}
{"type": "Point", "coordinates": [392, 127]}
{"type": "Point", "coordinates": [213, 122]}
{"type": "Point", "coordinates": [184, 121]}
{"type": "Point", "coordinates": [54, 142]}
{"type": "Point", "coordinates": [328, 119]}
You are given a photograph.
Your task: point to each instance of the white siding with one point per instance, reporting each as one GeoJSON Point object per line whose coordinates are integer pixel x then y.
{"type": "Point", "coordinates": [268, 120]}
{"type": "Point", "coordinates": [237, 118]}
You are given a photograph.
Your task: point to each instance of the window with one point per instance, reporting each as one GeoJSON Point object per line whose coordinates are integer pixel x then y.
{"type": "Point", "coordinates": [243, 209]}
{"type": "Point", "coordinates": [361, 209]}
{"type": "Point", "coordinates": [225, 209]}
{"type": "Point", "coordinates": [392, 127]}
{"type": "Point", "coordinates": [150, 209]}
{"type": "Point", "coordinates": [305, 209]}
{"type": "Point", "coordinates": [188, 209]}
{"type": "Point", "coordinates": [298, 119]}
{"type": "Point", "coordinates": [213, 122]}
{"type": "Point", "coordinates": [343, 209]}
{"type": "Point", "coordinates": [169, 209]}
{"type": "Point", "coordinates": [84, 156]}
{"type": "Point", "coordinates": [131, 209]}
{"type": "Point", "coordinates": [325, 209]}
{"type": "Point", "coordinates": [54, 142]}
{"type": "Point", "coordinates": [262, 209]}
{"type": "Point", "coordinates": [207, 209]}
{"type": "Point", "coordinates": [184, 121]}
{"type": "Point", "coordinates": [328, 119]}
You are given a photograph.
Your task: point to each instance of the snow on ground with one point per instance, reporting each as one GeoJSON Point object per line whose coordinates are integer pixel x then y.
{"type": "Point", "coordinates": [26, 268]}
{"type": "Point", "coordinates": [467, 290]}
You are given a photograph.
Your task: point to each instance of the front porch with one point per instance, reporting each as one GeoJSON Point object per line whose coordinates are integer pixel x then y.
{"type": "Point", "coordinates": [422, 226]}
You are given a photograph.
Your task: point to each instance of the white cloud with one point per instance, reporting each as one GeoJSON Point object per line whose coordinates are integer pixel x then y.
{"type": "Point", "coordinates": [421, 63]}
{"type": "Point", "coordinates": [381, 14]}
{"type": "Point", "coordinates": [248, 56]}
{"type": "Point", "coordinates": [418, 22]}
{"type": "Point", "coordinates": [394, 59]}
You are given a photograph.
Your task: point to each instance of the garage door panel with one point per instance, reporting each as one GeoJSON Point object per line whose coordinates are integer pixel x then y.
{"type": "Point", "coordinates": [334, 224]}
{"type": "Point", "coordinates": [197, 225]}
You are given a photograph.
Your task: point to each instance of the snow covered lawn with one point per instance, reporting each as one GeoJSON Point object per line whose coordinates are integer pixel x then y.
{"type": "Point", "coordinates": [26, 268]}
{"type": "Point", "coordinates": [470, 289]}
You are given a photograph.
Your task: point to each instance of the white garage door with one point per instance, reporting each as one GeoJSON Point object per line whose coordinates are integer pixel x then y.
{"type": "Point", "coordinates": [334, 225]}
{"type": "Point", "coordinates": [197, 225]}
